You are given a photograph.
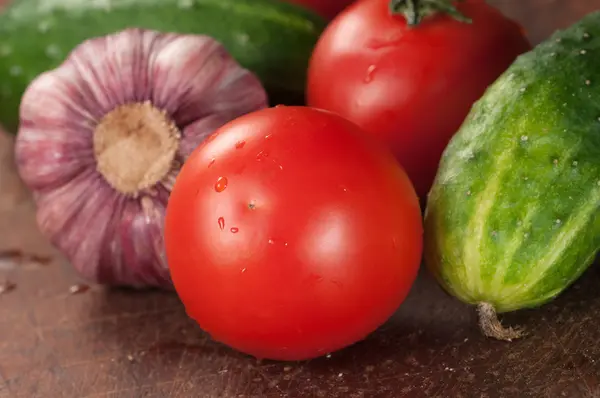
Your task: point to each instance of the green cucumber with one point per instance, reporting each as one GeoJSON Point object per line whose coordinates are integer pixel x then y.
{"type": "Point", "coordinates": [513, 217]}
{"type": "Point", "coordinates": [272, 38]}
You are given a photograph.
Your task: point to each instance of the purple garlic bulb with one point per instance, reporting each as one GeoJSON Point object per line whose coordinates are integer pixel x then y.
{"type": "Point", "coordinates": [103, 136]}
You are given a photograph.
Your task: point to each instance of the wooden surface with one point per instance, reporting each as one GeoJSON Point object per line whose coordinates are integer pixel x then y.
{"type": "Point", "coordinates": [105, 343]}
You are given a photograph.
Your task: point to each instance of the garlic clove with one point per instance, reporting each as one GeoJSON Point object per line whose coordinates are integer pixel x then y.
{"type": "Point", "coordinates": [75, 216]}
{"type": "Point", "coordinates": [233, 89]}
{"type": "Point", "coordinates": [136, 243]}
{"type": "Point", "coordinates": [172, 89]}
{"type": "Point", "coordinates": [58, 130]}
{"type": "Point", "coordinates": [103, 137]}
{"type": "Point", "coordinates": [51, 158]}
{"type": "Point", "coordinates": [217, 76]}
{"type": "Point", "coordinates": [197, 132]}
{"type": "Point", "coordinates": [58, 208]}
{"type": "Point", "coordinates": [59, 97]}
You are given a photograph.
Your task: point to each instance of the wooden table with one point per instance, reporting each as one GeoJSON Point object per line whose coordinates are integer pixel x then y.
{"type": "Point", "coordinates": [107, 343]}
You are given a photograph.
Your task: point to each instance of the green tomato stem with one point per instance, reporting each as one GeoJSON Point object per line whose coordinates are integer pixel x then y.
{"type": "Point", "coordinates": [416, 10]}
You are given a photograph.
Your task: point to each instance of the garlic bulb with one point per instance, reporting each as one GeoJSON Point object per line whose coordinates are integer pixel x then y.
{"type": "Point", "coordinates": [103, 136]}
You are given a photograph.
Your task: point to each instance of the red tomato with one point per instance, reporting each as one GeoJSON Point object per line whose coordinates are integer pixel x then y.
{"type": "Point", "coordinates": [327, 8]}
{"type": "Point", "coordinates": [291, 233]}
{"type": "Point", "coordinates": [411, 86]}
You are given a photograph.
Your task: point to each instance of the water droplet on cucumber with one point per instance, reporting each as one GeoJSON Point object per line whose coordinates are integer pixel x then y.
{"type": "Point", "coordinates": [5, 50]}
{"type": "Point", "coordinates": [53, 51]}
{"type": "Point", "coordinates": [44, 26]}
{"type": "Point", "coordinates": [185, 4]}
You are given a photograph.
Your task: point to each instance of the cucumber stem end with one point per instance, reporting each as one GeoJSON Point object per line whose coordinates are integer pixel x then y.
{"type": "Point", "coordinates": [490, 325]}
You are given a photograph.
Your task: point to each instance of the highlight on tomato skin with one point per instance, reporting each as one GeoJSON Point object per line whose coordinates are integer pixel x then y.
{"type": "Point", "coordinates": [411, 86]}
{"type": "Point", "coordinates": [291, 233]}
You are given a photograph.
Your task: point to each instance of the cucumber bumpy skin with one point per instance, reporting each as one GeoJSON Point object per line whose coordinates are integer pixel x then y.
{"type": "Point", "coordinates": [272, 38]}
{"type": "Point", "coordinates": [513, 216]}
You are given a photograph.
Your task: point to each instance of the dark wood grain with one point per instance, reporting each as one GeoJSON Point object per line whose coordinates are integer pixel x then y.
{"type": "Point", "coordinates": [105, 343]}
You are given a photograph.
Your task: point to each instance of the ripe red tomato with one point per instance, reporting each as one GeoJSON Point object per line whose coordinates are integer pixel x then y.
{"type": "Point", "coordinates": [327, 8]}
{"type": "Point", "coordinates": [411, 86]}
{"type": "Point", "coordinates": [291, 233]}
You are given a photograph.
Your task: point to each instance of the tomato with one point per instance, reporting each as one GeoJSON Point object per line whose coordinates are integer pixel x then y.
{"type": "Point", "coordinates": [411, 86]}
{"type": "Point", "coordinates": [292, 233]}
{"type": "Point", "coordinates": [327, 8]}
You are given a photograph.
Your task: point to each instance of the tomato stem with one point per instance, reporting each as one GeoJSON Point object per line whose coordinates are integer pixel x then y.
{"type": "Point", "coordinates": [416, 10]}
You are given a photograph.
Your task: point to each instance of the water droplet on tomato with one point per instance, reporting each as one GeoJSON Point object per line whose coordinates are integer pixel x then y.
{"type": "Point", "coordinates": [261, 155]}
{"type": "Point", "coordinates": [268, 136]}
{"type": "Point", "coordinates": [221, 184]}
{"type": "Point", "coordinates": [240, 144]}
{"type": "Point", "coordinates": [234, 230]}
{"type": "Point", "coordinates": [313, 279]}
{"type": "Point", "coordinates": [221, 222]}
{"type": "Point", "coordinates": [370, 73]}
{"type": "Point", "coordinates": [239, 169]}
{"type": "Point", "coordinates": [271, 242]}
{"type": "Point", "coordinates": [277, 164]}
{"type": "Point", "coordinates": [337, 283]}
{"type": "Point", "coordinates": [212, 161]}
{"type": "Point", "coordinates": [393, 41]}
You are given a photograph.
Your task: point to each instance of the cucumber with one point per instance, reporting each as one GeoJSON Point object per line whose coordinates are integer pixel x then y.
{"type": "Point", "coordinates": [513, 217]}
{"type": "Point", "coordinates": [271, 38]}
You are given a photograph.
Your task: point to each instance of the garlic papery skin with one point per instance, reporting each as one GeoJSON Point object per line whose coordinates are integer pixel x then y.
{"type": "Point", "coordinates": [103, 136]}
